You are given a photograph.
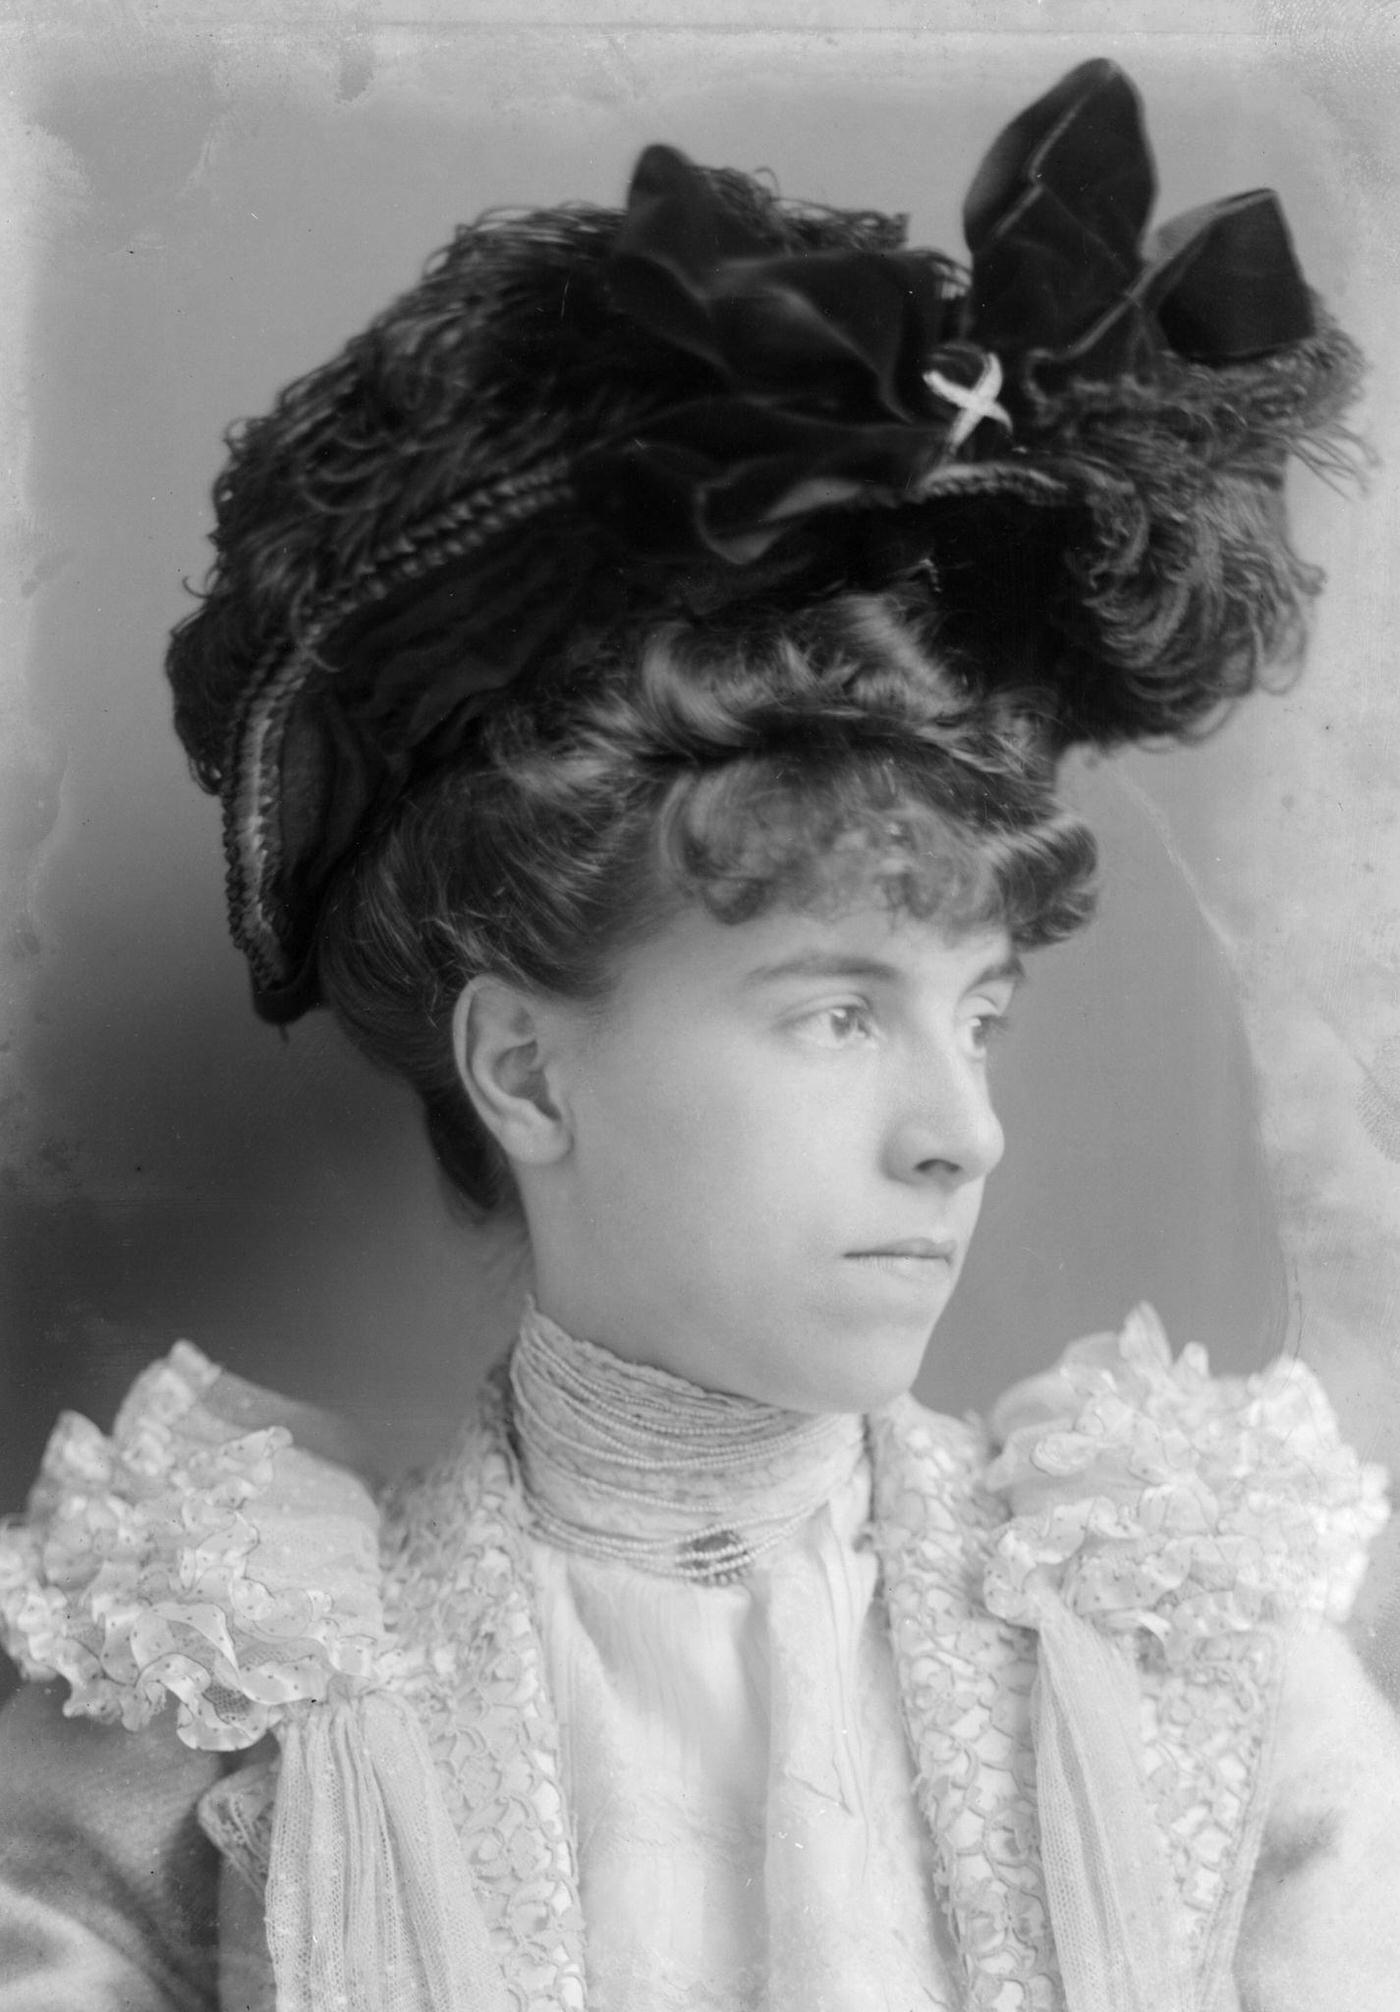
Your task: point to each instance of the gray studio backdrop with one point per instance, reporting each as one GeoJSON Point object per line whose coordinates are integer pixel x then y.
{"type": "Point", "coordinates": [207, 213]}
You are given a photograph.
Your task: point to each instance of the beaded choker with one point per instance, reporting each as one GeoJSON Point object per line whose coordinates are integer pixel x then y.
{"type": "Point", "coordinates": [626, 1462]}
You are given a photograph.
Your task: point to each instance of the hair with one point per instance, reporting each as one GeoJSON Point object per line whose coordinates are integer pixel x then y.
{"type": "Point", "coordinates": [809, 759]}
{"type": "Point", "coordinates": [583, 421]}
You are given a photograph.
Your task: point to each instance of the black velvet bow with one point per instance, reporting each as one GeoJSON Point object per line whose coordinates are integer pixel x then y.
{"type": "Point", "coordinates": [826, 379]}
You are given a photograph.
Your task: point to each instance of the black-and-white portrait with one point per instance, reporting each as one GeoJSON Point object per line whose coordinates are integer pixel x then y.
{"type": "Point", "coordinates": [702, 1125]}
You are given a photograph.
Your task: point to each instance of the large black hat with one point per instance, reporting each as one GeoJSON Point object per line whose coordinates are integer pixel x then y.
{"type": "Point", "coordinates": [582, 418]}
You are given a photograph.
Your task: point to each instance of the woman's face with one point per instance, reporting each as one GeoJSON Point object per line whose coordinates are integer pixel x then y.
{"type": "Point", "coordinates": [779, 1132]}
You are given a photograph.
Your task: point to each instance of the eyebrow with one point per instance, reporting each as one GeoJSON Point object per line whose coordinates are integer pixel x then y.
{"type": "Point", "coordinates": [839, 964]}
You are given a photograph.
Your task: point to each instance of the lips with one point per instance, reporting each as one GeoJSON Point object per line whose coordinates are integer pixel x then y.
{"type": "Point", "coordinates": [921, 1265]}
{"type": "Point", "coordinates": [926, 1248]}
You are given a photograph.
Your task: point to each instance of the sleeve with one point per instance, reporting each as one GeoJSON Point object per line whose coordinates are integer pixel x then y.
{"type": "Point", "coordinates": [108, 1892]}
{"type": "Point", "coordinates": [1322, 1922]}
{"type": "Point", "coordinates": [1192, 1516]}
{"type": "Point", "coordinates": [173, 1592]}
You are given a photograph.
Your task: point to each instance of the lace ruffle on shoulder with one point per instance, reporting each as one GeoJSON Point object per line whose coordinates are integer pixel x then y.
{"type": "Point", "coordinates": [1188, 1517]}
{"type": "Point", "coordinates": [1149, 1495]}
{"type": "Point", "coordinates": [185, 1557]}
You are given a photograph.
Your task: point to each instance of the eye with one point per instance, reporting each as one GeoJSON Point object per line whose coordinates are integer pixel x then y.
{"type": "Point", "coordinates": [848, 1025]}
{"type": "Point", "coordinates": [985, 1029]}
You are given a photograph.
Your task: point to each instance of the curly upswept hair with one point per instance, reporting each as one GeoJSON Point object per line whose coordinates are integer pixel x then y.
{"type": "Point", "coordinates": [724, 549]}
{"type": "Point", "coordinates": [813, 760]}
{"type": "Point", "coordinates": [585, 421]}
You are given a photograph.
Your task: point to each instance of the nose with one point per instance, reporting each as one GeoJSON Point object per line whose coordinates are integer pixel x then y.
{"type": "Point", "coordinates": [944, 1128]}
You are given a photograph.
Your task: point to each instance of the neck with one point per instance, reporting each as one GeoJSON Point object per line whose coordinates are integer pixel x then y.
{"type": "Point", "coordinates": [631, 1462]}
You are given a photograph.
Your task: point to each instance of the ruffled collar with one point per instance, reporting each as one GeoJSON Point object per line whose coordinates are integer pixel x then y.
{"type": "Point", "coordinates": [620, 1460]}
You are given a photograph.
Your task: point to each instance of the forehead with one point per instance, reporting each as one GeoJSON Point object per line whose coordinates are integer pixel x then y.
{"type": "Point", "coordinates": [698, 957]}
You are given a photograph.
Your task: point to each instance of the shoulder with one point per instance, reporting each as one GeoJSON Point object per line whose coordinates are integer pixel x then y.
{"type": "Point", "coordinates": [1152, 1495]}
{"type": "Point", "coordinates": [218, 1548]}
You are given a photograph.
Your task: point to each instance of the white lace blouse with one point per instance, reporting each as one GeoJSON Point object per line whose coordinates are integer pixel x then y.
{"type": "Point", "coordinates": [728, 1749]}
{"type": "Point", "coordinates": [1060, 1727]}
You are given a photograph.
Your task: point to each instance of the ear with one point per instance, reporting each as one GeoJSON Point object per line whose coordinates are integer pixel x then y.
{"type": "Point", "coordinates": [501, 1039]}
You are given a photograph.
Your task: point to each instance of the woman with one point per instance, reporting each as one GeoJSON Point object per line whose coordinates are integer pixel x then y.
{"type": "Point", "coordinates": [635, 674]}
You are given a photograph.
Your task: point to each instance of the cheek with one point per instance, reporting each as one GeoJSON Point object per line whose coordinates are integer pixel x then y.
{"type": "Point", "coordinates": [653, 1116]}
{"type": "Point", "coordinates": [715, 1130]}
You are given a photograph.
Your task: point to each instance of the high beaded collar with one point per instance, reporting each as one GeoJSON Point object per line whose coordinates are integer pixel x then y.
{"type": "Point", "coordinates": [627, 1462]}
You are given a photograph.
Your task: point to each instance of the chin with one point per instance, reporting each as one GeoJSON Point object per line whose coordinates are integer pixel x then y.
{"type": "Point", "coordinates": [868, 1373]}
